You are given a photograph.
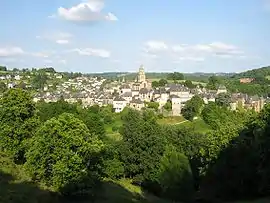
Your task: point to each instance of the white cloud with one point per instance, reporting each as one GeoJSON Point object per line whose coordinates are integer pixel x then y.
{"type": "Point", "coordinates": [42, 54]}
{"type": "Point", "coordinates": [57, 37]}
{"type": "Point", "coordinates": [62, 41]}
{"type": "Point", "coordinates": [88, 11]}
{"type": "Point", "coordinates": [62, 61]}
{"type": "Point", "coordinates": [197, 52]}
{"type": "Point", "coordinates": [189, 58]}
{"type": "Point", "coordinates": [11, 51]}
{"type": "Point", "coordinates": [92, 52]}
{"type": "Point", "coordinates": [155, 46]}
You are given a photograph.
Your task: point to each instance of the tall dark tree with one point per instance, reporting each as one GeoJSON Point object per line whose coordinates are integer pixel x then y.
{"type": "Point", "coordinates": [142, 146]}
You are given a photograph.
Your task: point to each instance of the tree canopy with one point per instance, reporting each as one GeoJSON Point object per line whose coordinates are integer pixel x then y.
{"type": "Point", "coordinates": [63, 152]}
{"type": "Point", "coordinates": [193, 107]}
{"type": "Point", "coordinates": [175, 76]}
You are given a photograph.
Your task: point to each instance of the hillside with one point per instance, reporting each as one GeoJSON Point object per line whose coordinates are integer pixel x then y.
{"type": "Point", "coordinates": [254, 73]}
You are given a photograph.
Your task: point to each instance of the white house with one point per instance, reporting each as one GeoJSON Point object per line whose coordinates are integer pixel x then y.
{"type": "Point", "coordinates": [119, 104]}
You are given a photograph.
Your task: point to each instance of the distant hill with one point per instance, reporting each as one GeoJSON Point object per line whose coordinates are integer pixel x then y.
{"type": "Point", "coordinates": [254, 73]}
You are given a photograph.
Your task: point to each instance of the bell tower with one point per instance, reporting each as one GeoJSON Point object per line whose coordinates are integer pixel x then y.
{"type": "Point", "coordinates": [141, 74]}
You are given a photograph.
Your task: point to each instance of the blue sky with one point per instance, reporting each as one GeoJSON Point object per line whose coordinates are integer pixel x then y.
{"type": "Point", "coordinates": [119, 35]}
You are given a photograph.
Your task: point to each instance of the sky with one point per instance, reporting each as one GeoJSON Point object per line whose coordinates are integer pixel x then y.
{"type": "Point", "coordinates": [120, 35]}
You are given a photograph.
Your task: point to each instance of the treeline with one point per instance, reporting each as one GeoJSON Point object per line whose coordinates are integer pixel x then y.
{"type": "Point", "coordinates": [65, 148]}
{"type": "Point", "coordinates": [254, 73]}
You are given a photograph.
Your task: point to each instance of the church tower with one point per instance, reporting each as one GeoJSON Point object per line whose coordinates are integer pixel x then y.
{"type": "Point", "coordinates": [141, 74]}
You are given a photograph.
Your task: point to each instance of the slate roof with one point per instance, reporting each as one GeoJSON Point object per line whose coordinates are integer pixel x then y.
{"type": "Point", "coordinates": [125, 86]}
{"type": "Point", "coordinates": [119, 99]}
{"type": "Point", "coordinates": [174, 96]}
{"type": "Point", "coordinates": [143, 91]}
{"type": "Point", "coordinates": [127, 94]}
{"type": "Point", "coordinates": [136, 101]}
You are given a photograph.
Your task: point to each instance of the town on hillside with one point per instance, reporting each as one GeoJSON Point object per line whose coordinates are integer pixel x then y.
{"type": "Point", "coordinates": [170, 98]}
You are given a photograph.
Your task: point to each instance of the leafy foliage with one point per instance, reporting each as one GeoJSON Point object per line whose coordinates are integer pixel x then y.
{"type": "Point", "coordinates": [153, 105]}
{"type": "Point", "coordinates": [3, 87]}
{"type": "Point", "coordinates": [143, 145]}
{"type": "Point", "coordinates": [213, 82]}
{"type": "Point", "coordinates": [39, 80]}
{"type": "Point", "coordinates": [175, 76]}
{"type": "Point", "coordinates": [3, 68]}
{"type": "Point", "coordinates": [63, 153]}
{"type": "Point", "coordinates": [17, 122]}
{"type": "Point", "coordinates": [193, 107]}
{"type": "Point", "coordinates": [223, 99]}
{"type": "Point", "coordinates": [189, 84]}
{"type": "Point", "coordinates": [175, 176]}
{"type": "Point", "coordinates": [168, 106]}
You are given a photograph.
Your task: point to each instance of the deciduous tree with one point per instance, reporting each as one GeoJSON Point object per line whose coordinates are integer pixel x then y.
{"type": "Point", "coordinates": [63, 153]}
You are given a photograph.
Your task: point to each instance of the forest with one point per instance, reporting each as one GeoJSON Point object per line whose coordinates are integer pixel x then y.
{"type": "Point", "coordinates": [60, 152]}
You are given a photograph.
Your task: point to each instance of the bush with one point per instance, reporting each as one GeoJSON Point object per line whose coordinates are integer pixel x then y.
{"type": "Point", "coordinates": [113, 168]}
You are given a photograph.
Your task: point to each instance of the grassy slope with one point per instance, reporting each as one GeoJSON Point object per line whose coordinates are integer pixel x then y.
{"type": "Point", "coordinates": [171, 120]}
{"type": "Point", "coordinates": [199, 125]}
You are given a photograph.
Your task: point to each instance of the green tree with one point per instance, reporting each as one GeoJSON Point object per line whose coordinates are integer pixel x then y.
{"type": "Point", "coordinates": [189, 84]}
{"type": "Point", "coordinates": [175, 76]}
{"type": "Point", "coordinates": [153, 105]}
{"type": "Point", "coordinates": [17, 122]}
{"type": "Point", "coordinates": [94, 123]}
{"type": "Point", "coordinates": [175, 176]}
{"type": "Point", "coordinates": [64, 156]}
{"type": "Point", "coordinates": [213, 82]}
{"type": "Point", "coordinates": [3, 87]}
{"type": "Point", "coordinates": [143, 145]}
{"type": "Point", "coordinates": [193, 107]}
{"type": "Point", "coordinates": [49, 110]}
{"type": "Point", "coordinates": [39, 80]}
{"type": "Point", "coordinates": [155, 84]}
{"type": "Point", "coordinates": [223, 99]}
{"type": "Point", "coordinates": [162, 82]}
{"type": "Point", "coordinates": [168, 106]}
{"type": "Point", "coordinates": [3, 68]}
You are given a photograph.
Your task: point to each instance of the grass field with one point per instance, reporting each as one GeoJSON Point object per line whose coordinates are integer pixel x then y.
{"type": "Point", "coordinates": [199, 125]}
{"type": "Point", "coordinates": [171, 120]}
